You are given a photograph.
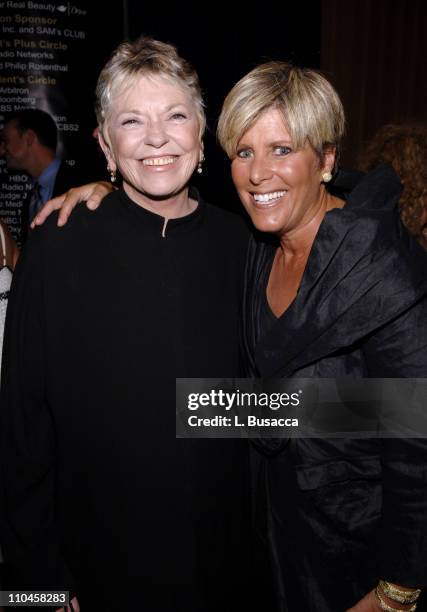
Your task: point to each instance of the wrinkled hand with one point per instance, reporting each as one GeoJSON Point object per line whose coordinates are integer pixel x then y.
{"type": "Point", "coordinates": [75, 608]}
{"type": "Point", "coordinates": [369, 603]}
{"type": "Point", "coordinates": [92, 194]}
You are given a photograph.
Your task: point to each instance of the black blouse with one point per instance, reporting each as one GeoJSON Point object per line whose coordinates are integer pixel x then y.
{"type": "Point", "coordinates": [100, 497]}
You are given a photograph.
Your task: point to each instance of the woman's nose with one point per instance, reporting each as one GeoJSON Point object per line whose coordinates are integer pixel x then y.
{"type": "Point", "coordinates": [259, 170]}
{"type": "Point", "coordinates": [156, 135]}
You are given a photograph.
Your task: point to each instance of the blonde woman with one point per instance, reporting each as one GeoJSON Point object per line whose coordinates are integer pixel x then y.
{"type": "Point", "coordinates": [341, 291]}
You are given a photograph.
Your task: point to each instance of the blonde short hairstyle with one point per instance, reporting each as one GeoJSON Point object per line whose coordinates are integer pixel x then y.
{"type": "Point", "coordinates": [311, 108]}
{"type": "Point", "coordinates": [145, 57]}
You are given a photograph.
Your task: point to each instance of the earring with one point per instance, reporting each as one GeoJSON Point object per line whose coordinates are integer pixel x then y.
{"type": "Point", "coordinates": [113, 176]}
{"type": "Point", "coordinates": [326, 177]}
{"type": "Point", "coordinates": [200, 165]}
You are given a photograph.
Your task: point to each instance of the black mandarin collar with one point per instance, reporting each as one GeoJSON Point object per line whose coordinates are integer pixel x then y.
{"type": "Point", "coordinates": [156, 222]}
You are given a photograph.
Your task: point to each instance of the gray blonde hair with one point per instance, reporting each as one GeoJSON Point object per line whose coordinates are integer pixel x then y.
{"type": "Point", "coordinates": [310, 106]}
{"type": "Point", "coordinates": [145, 57]}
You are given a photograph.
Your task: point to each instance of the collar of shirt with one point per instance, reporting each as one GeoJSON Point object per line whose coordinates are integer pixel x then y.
{"type": "Point", "coordinates": [46, 180]}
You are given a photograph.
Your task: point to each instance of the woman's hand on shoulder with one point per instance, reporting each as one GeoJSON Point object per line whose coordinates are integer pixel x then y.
{"type": "Point", "coordinates": [91, 193]}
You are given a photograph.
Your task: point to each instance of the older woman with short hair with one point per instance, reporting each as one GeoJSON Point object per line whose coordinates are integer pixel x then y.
{"type": "Point", "coordinates": [339, 292]}
{"type": "Point", "coordinates": [100, 498]}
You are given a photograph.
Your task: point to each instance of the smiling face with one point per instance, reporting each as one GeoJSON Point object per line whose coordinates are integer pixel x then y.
{"type": "Point", "coordinates": [280, 187]}
{"type": "Point", "coordinates": [152, 138]}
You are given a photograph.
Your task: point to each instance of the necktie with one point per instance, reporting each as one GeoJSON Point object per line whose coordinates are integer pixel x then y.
{"type": "Point", "coordinates": [35, 201]}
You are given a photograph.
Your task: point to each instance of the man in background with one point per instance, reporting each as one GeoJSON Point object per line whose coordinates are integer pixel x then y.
{"type": "Point", "coordinates": [30, 138]}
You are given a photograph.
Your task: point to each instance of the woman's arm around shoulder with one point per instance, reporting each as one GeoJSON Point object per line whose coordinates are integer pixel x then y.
{"type": "Point", "coordinates": [91, 193]}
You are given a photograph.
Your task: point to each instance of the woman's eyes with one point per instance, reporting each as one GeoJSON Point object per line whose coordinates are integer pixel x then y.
{"type": "Point", "coordinates": [173, 117]}
{"type": "Point", "coordinates": [178, 116]}
{"type": "Point", "coordinates": [279, 150]}
{"type": "Point", "coordinates": [282, 150]}
{"type": "Point", "coordinates": [244, 153]}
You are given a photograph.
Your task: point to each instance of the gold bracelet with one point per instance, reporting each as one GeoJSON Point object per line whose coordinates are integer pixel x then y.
{"type": "Point", "coordinates": [399, 595]}
{"type": "Point", "coordinates": [384, 606]}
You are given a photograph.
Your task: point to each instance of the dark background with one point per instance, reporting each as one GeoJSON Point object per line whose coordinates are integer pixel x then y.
{"type": "Point", "coordinates": [375, 53]}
